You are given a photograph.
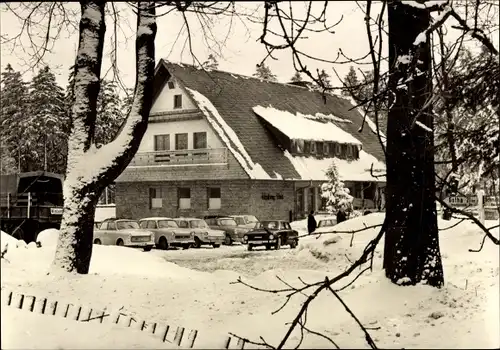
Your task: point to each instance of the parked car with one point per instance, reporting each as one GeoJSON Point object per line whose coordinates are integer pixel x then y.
{"type": "Point", "coordinates": [203, 234]}
{"type": "Point", "coordinates": [233, 233]}
{"type": "Point", "coordinates": [167, 233]}
{"type": "Point", "coordinates": [271, 233]}
{"type": "Point", "coordinates": [124, 232]}
{"type": "Point", "coordinates": [326, 225]}
{"type": "Point", "coordinates": [246, 221]}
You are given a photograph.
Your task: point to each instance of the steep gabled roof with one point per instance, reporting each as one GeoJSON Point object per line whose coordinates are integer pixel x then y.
{"type": "Point", "coordinates": [235, 96]}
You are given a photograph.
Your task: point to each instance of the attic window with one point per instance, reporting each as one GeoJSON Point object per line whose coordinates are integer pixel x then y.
{"type": "Point", "coordinates": [177, 101]}
{"type": "Point", "coordinates": [171, 85]}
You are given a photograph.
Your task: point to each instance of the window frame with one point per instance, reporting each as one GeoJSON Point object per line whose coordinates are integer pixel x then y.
{"type": "Point", "coordinates": [209, 197]}
{"type": "Point", "coordinates": [205, 141]}
{"type": "Point", "coordinates": [155, 192]}
{"type": "Point", "coordinates": [178, 101]}
{"type": "Point", "coordinates": [166, 145]}
{"type": "Point", "coordinates": [180, 196]}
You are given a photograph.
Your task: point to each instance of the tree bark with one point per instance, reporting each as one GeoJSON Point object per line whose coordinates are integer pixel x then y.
{"type": "Point", "coordinates": [411, 252]}
{"type": "Point", "coordinates": [91, 169]}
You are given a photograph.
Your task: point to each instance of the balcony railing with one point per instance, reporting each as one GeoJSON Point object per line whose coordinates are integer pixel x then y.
{"type": "Point", "coordinates": [181, 157]}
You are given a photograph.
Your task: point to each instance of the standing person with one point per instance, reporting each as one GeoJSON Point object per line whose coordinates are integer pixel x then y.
{"type": "Point", "coordinates": [311, 222]}
{"type": "Point", "coordinates": [341, 215]}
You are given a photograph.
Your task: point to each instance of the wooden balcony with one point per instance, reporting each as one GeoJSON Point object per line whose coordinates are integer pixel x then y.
{"type": "Point", "coordinates": [182, 157]}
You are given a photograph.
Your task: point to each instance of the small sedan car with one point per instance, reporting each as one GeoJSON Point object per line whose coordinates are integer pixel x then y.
{"type": "Point", "coordinates": [124, 232]}
{"type": "Point", "coordinates": [202, 233]}
{"type": "Point", "coordinates": [245, 221]}
{"type": "Point", "coordinates": [326, 225]}
{"type": "Point", "coordinates": [233, 233]}
{"type": "Point", "coordinates": [167, 233]}
{"type": "Point", "coordinates": [271, 233]}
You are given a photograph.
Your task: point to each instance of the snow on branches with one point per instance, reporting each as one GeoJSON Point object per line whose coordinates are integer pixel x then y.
{"type": "Point", "coordinates": [336, 194]}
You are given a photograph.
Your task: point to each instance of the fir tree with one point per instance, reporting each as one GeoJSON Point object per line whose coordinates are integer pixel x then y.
{"type": "Point", "coordinates": [324, 77]}
{"type": "Point", "coordinates": [14, 111]}
{"type": "Point", "coordinates": [352, 83]}
{"type": "Point", "coordinates": [264, 72]}
{"type": "Point", "coordinates": [109, 113]}
{"type": "Point", "coordinates": [296, 77]}
{"type": "Point", "coordinates": [336, 194]}
{"type": "Point", "coordinates": [211, 63]}
{"type": "Point", "coordinates": [47, 123]}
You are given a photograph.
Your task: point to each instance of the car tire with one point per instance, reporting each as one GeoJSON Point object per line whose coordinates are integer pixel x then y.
{"type": "Point", "coordinates": [97, 241]}
{"type": "Point", "coordinates": [163, 243]}
{"type": "Point", "coordinates": [186, 246]}
{"type": "Point", "coordinates": [228, 240]}
{"type": "Point", "coordinates": [268, 247]}
{"type": "Point", "coordinates": [293, 244]}
{"type": "Point", "coordinates": [120, 242]}
{"type": "Point", "coordinates": [197, 243]}
{"type": "Point", "coordinates": [249, 247]}
{"type": "Point", "coordinates": [278, 244]}
{"type": "Point", "coordinates": [215, 245]}
{"type": "Point", "coordinates": [148, 248]}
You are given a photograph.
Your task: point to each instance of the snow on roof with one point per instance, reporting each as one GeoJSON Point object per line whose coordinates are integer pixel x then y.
{"type": "Point", "coordinates": [228, 136]}
{"type": "Point", "coordinates": [311, 168]}
{"type": "Point", "coordinates": [304, 127]}
{"type": "Point", "coordinates": [368, 120]}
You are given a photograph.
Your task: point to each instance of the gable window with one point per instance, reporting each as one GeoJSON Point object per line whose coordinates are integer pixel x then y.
{"type": "Point", "coordinates": [171, 85]}
{"type": "Point", "coordinates": [307, 147]}
{"type": "Point", "coordinates": [177, 101]}
{"type": "Point", "coordinates": [184, 197]}
{"type": "Point", "coordinates": [155, 200]}
{"type": "Point", "coordinates": [181, 141]}
{"type": "Point", "coordinates": [200, 140]}
{"type": "Point", "coordinates": [162, 142]}
{"type": "Point", "coordinates": [214, 201]}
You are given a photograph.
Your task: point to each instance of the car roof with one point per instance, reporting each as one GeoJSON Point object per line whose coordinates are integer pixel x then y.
{"type": "Point", "coordinates": [188, 219]}
{"type": "Point", "coordinates": [156, 218]}
{"type": "Point", "coordinates": [270, 220]}
{"type": "Point", "coordinates": [117, 219]}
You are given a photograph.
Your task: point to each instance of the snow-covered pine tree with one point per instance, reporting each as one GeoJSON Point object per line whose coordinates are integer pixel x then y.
{"type": "Point", "coordinates": [14, 106]}
{"type": "Point", "coordinates": [211, 63]}
{"type": "Point", "coordinates": [296, 77]}
{"type": "Point", "coordinates": [324, 77]}
{"type": "Point", "coordinates": [109, 113]}
{"type": "Point", "coordinates": [262, 71]}
{"type": "Point", "coordinates": [352, 83]}
{"type": "Point", "coordinates": [336, 194]}
{"type": "Point", "coordinates": [47, 123]}
{"type": "Point", "coordinates": [90, 169]}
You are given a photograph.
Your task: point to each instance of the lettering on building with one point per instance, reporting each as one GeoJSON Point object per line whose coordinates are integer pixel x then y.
{"type": "Point", "coordinates": [272, 197]}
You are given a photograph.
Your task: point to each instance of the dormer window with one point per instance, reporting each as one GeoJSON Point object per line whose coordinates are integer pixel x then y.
{"type": "Point", "coordinates": [307, 146]}
{"type": "Point", "coordinates": [177, 101]}
{"type": "Point", "coordinates": [326, 149]}
{"type": "Point", "coordinates": [171, 85]}
{"type": "Point", "coordinates": [319, 147]}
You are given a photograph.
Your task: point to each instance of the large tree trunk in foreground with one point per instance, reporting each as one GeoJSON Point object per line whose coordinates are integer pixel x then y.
{"type": "Point", "coordinates": [89, 169]}
{"type": "Point", "coordinates": [411, 252]}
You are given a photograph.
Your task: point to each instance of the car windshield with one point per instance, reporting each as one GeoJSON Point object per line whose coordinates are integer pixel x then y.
{"type": "Point", "coordinates": [240, 220]}
{"type": "Point", "coordinates": [167, 224]}
{"type": "Point", "coordinates": [271, 225]}
{"type": "Point", "coordinates": [228, 222]}
{"type": "Point", "coordinates": [123, 225]}
{"type": "Point", "coordinates": [250, 219]}
{"type": "Point", "coordinates": [324, 223]}
{"type": "Point", "coordinates": [198, 224]}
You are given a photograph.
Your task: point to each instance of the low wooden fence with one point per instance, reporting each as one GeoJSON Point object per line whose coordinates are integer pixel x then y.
{"type": "Point", "coordinates": [176, 335]}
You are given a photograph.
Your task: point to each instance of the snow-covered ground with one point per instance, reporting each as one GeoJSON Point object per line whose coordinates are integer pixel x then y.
{"type": "Point", "coordinates": [195, 289]}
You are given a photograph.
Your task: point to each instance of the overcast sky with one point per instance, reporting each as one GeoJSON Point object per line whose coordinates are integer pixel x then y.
{"type": "Point", "coordinates": [236, 44]}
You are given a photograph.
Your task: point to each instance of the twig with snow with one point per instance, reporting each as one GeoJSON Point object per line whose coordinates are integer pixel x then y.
{"type": "Point", "coordinates": [348, 231]}
{"type": "Point", "coordinates": [262, 343]}
{"type": "Point", "coordinates": [321, 286]}
{"type": "Point", "coordinates": [368, 338]}
{"type": "Point", "coordinates": [470, 216]}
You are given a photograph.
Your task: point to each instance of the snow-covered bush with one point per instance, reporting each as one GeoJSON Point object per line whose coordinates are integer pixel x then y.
{"type": "Point", "coordinates": [336, 194]}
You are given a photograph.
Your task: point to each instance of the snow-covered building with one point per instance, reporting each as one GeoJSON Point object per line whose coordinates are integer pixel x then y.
{"type": "Point", "coordinates": [221, 143]}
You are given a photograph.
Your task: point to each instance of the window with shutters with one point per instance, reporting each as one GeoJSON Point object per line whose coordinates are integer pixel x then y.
{"type": "Point", "coordinates": [184, 197]}
{"type": "Point", "coordinates": [199, 140]}
{"type": "Point", "coordinates": [155, 198]}
{"type": "Point", "coordinates": [162, 142]}
{"type": "Point", "coordinates": [181, 141]}
{"type": "Point", "coordinates": [177, 101]}
{"type": "Point", "coordinates": [214, 200]}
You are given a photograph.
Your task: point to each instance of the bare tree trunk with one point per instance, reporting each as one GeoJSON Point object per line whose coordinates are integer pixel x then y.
{"type": "Point", "coordinates": [411, 253]}
{"type": "Point", "coordinates": [89, 169]}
